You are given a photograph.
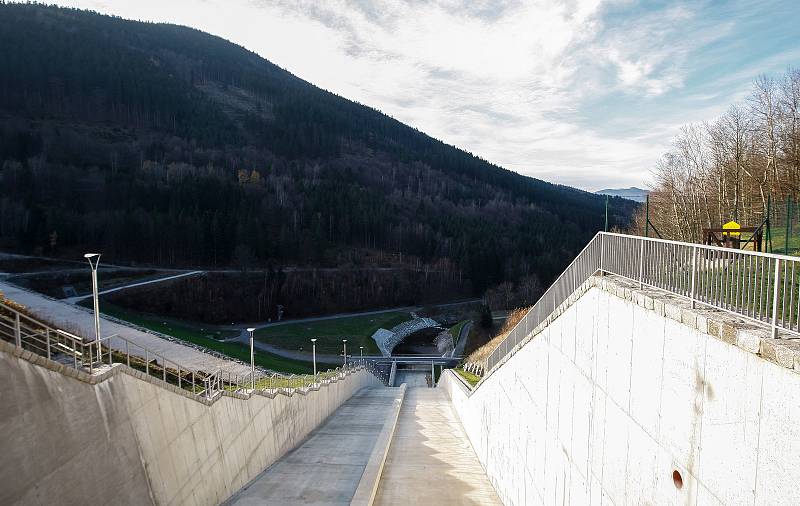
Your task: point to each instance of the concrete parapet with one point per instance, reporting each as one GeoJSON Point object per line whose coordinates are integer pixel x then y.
{"type": "Point", "coordinates": [122, 437]}
{"type": "Point", "coordinates": [368, 485]}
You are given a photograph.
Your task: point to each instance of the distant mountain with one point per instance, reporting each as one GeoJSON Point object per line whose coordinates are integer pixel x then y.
{"type": "Point", "coordinates": [161, 144]}
{"type": "Point", "coordinates": [632, 193]}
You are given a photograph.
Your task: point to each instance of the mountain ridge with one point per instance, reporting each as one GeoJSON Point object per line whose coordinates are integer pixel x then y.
{"type": "Point", "coordinates": [162, 144]}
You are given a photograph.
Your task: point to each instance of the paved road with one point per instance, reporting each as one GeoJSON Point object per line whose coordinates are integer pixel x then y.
{"type": "Point", "coordinates": [81, 322]}
{"type": "Point", "coordinates": [462, 340]}
{"type": "Point", "coordinates": [74, 300]}
{"type": "Point", "coordinates": [431, 460]}
{"type": "Point", "coordinates": [327, 467]}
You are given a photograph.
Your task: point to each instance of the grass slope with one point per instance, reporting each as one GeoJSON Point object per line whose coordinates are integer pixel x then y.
{"type": "Point", "coordinates": [193, 333]}
{"type": "Point", "coordinates": [357, 330]}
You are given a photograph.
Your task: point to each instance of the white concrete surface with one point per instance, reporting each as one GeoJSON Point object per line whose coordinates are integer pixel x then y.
{"type": "Point", "coordinates": [430, 460]}
{"type": "Point", "coordinates": [326, 469]}
{"type": "Point", "coordinates": [127, 441]}
{"type": "Point", "coordinates": [610, 399]}
{"type": "Point", "coordinates": [81, 322]}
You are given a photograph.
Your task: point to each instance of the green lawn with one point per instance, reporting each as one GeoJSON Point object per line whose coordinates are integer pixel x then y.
{"type": "Point", "coordinates": [468, 376]}
{"type": "Point", "coordinates": [193, 333]}
{"type": "Point", "coordinates": [779, 240]}
{"type": "Point", "coordinates": [455, 331]}
{"type": "Point", "coordinates": [357, 330]}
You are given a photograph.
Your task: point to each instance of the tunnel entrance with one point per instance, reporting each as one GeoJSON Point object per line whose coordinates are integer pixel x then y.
{"type": "Point", "coordinates": [419, 343]}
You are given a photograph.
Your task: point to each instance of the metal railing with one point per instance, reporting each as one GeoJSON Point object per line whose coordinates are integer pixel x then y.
{"type": "Point", "coordinates": [73, 351]}
{"type": "Point", "coordinates": [760, 287]}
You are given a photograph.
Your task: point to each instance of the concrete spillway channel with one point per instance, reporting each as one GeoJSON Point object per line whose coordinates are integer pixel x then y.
{"type": "Point", "coordinates": [383, 446]}
{"type": "Point", "coordinates": [430, 460]}
{"type": "Point", "coordinates": [339, 460]}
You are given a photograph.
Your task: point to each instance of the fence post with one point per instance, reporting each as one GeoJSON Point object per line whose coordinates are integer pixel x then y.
{"type": "Point", "coordinates": [17, 331]}
{"type": "Point", "coordinates": [775, 293]}
{"type": "Point", "coordinates": [47, 338]}
{"type": "Point", "coordinates": [694, 274]}
{"type": "Point", "coordinates": [641, 263]}
{"type": "Point", "coordinates": [602, 252]}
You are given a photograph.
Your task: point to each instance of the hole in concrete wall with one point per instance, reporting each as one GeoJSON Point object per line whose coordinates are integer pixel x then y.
{"type": "Point", "coordinates": [677, 479]}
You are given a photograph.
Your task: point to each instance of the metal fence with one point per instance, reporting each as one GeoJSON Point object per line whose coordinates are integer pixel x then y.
{"type": "Point", "coordinates": [761, 287]}
{"type": "Point", "coordinates": [73, 351]}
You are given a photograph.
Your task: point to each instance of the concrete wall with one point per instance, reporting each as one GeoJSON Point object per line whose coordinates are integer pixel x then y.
{"type": "Point", "coordinates": [127, 440]}
{"type": "Point", "coordinates": [613, 396]}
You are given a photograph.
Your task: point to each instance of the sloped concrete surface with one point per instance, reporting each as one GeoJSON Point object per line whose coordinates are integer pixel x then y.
{"type": "Point", "coordinates": [431, 461]}
{"type": "Point", "coordinates": [327, 468]}
{"type": "Point", "coordinates": [625, 388]}
{"type": "Point", "coordinates": [126, 441]}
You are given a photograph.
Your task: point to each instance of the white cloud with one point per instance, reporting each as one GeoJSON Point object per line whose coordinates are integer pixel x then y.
{"type": "Point", "coordinates": [533, 86]}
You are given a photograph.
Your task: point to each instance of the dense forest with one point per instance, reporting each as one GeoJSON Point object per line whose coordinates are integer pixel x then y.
{"type": "Point", "coordinates": [162, 145]}
{"type": "Point", "coordinates": [731, 168]}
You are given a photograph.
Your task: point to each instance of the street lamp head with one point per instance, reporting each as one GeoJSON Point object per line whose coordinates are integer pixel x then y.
{"type": "Point", "coordinates": [251, 329]}
{"type": "Point", "coordinates": [91, 255]}
{"type": "Point", "coordinates": [314, 340]}
{"type": "Point", "coordinates": [344, 340]}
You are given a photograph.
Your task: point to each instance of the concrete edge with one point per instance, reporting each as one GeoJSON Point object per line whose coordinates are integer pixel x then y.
{"type": "Point", "coordinates": [750, 336]}
{"type": "Point", "coordinates": [371, 477]}
{"type": "Point", "coordinates": [460, 381]}
{"type": "Point", "coordinates": [109, 371]}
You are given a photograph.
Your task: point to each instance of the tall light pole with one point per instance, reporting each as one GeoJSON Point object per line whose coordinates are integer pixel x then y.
{"type": "Point", "coordinates": [344, 342]}
{"type": "Point", "coordinates": [94, 261]}
{"type": "Point", "coordinates": [314, 357]}
{"type": "Point", "coordinates": [252, 360]}
{"type": "Point", "coordinates": [362, 354]}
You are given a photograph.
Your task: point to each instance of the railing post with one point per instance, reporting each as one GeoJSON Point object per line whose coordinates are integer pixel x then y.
{"type": "Point", "coordinates": [47, 338]}
{"type": "Point", "coordinates": [641, 263]}
{"type": "Point", "coordinates": [694, 275]}
{"type": "Point", "coordinates": [775, 293]}
{"type": "Point", "coordinates": [602, 252]}
{"type": "Point", "coordinates": [17, 331]}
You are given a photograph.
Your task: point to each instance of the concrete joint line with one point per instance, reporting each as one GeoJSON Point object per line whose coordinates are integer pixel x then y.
{"type": "Point", "coordinates": [371, 477]}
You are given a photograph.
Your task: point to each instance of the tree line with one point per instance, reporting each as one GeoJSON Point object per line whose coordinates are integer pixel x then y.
{"type": "Point", "coordinates": [162, 145]}
{"type": "Point", "coordinates": [730, 168]}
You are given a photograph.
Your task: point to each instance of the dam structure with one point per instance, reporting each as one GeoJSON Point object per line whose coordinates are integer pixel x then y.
{"type": "Point", "coordinates": [650, 372]}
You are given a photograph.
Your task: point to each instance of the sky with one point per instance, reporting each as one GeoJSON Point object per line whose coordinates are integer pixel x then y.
{"type": "Point", "coordinates": [587, 93]}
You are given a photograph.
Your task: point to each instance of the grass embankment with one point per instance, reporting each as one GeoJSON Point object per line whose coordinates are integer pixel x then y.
{"type": "Point", "coordinates": [484, 351]}
{"type": "Point", "coordinates": [357, 330]}
{"type": "Point", "coordinates": [195, 334]}
{"type": "Point", "coordinates": [470, 378]}
{"type": "Point", "coordinates": [455, 331]}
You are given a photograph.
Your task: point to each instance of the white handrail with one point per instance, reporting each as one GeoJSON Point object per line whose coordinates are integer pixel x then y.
{"type": "Point", "coordinates": [761, 287]}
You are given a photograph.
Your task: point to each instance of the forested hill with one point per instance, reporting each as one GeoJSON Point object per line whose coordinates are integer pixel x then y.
{"type": "Point", "coordinates": [160, 144]}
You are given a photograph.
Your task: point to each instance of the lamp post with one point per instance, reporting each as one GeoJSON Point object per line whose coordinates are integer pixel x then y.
{"type": "Point", "coordinates": [344, 342]}
{"type": "Point", "coordinates": [252, 360]}
{"type": "Point", "coordinates": [362, 354]}
{"type": "Point", "coordinates": [94, 261]}
{"type": "Point", "coordinates": [314, 357]}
